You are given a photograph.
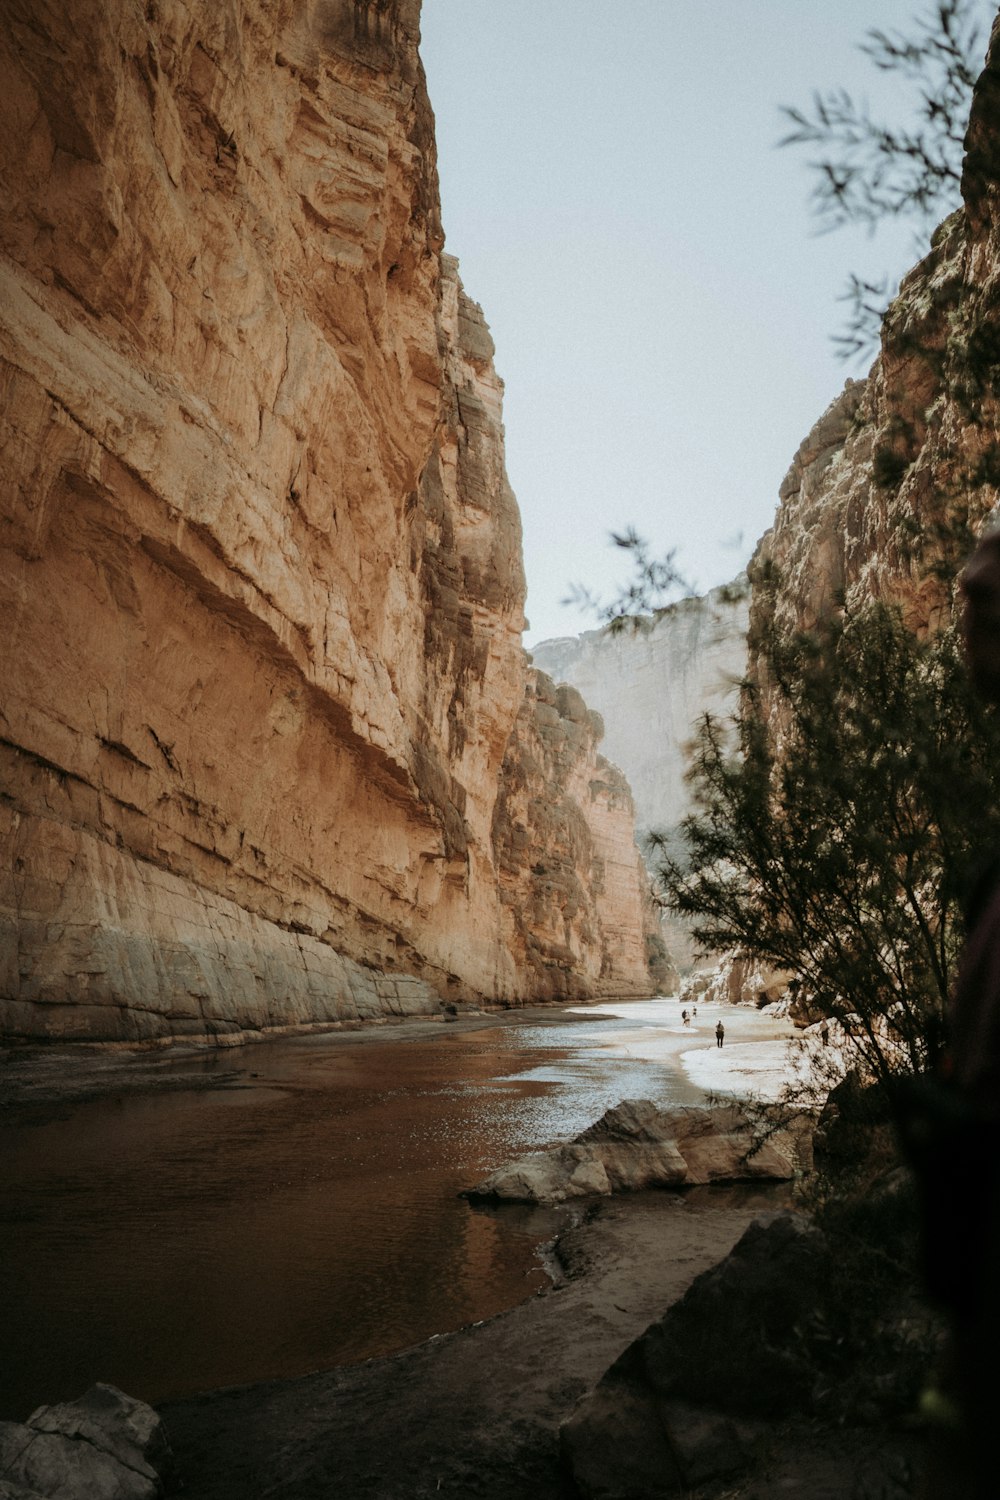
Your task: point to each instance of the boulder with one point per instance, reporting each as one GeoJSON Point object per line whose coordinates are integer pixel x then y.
{"type": "Point", "coordinates": [636, 1145]}
{"type": "Point", "coordinates": [761, 1300]}
{"type": "Point", "coordinates": [105, 1446]}
{"type": "Point", "coordinates": [736, 1346]}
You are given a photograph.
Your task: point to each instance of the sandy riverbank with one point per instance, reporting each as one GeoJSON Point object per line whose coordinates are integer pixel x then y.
{"type": "Point", "coordinates": [475, 1412]}
{"type": "Point", "coordinates": [32, 1075]}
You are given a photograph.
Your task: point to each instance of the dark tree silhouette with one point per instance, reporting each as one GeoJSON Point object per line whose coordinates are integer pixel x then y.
{"type": "Point", "coordinates": [866, 170]}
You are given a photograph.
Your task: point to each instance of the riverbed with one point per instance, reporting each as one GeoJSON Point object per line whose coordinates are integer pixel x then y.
{"type": "Point", "coordinates": [231, 1217]}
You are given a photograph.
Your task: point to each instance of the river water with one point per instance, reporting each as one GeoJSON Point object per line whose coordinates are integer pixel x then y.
{"type": "Point", "coordinates": [295, 1205]}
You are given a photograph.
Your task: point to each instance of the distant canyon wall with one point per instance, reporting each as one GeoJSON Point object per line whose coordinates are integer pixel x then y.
{"type": "Point", "coordinates": [267, 728]}
{"type": "Point", "coordinates": [651, 685]}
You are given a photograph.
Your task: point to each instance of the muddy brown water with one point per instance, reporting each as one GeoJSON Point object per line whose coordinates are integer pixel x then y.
{"type": "Point", "coordinates": [304, 1213]}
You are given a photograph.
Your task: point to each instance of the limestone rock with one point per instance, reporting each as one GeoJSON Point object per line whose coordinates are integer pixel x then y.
{"type": "Point", "coordinates": [905, 456]}
{"type": "Point", "coordinates": [576, 914]}
{"type": "Point", "coordinates": [260, 563]}
{"type": "Point", "coordinates": [860, 507]}
{"type": "Point", "coordinates": [650, 687]}
{"type": "Point", "coordinates": [105, 1446]}
{"type": "Point", "coordinates": [635, 1145]}
{"type": "Point", "coordinates": [738, 981]}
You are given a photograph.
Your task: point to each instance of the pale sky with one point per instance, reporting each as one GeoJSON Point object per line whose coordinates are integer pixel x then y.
{"type": "Point", "coordinates": [660, 302]}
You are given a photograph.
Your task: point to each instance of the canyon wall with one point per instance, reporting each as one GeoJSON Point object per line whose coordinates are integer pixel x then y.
{"type": "Point", "coordinates": [887, 492]}
{"type": "Point", "coordinates": [267, 728]}
{"type": "Point", "coordinates": [651, 686]}
{"type": "Point", "coordinates": [881, 490]}
{"type": "Point", "coordinates": [566, 804]}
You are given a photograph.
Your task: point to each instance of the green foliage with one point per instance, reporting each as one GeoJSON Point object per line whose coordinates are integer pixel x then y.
{"type": "Point", "coordinates": [654, 581]}
{"type": "Point", "coordinates": [867, 170]}
{"type": "Point", "coordinates": [888, 468]}
{"type": "Point", "coordinates": [837, 836]}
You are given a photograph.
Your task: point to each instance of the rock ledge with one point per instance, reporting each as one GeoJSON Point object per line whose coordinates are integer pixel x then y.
{"type": "Point", "coordinates": [635, 1145]}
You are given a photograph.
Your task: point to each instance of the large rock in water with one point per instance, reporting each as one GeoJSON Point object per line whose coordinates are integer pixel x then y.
{"type": "Point", "coordinates": [635, 1145]}
{"type": "Point", "coordinates": [105, 1446]}
{"type": "Point", "coordinates": [268, 751]}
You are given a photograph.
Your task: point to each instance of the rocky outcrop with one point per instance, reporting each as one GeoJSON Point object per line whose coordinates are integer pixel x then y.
{"type": "Point", "coordinates": [260, 560]}
{"type": "Point", "coordinates": [661, 1420]}
{"type": "Point", "coordinates": [105, 1446]}
{"type": "Point", "coordinates": [886, 494]}
{"type": "Point", "coordinates": [635, 1145]}
{"type": "Point", "coordinates": [901, 462]}
{"type": "Point", "coordinates": [806, 1325]}
{"type": "Point", "coordinates": [576, 909]}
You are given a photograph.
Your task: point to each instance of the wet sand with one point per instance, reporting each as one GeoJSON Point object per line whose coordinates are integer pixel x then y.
{"type": "Point", "coordinates": [476, 1412]}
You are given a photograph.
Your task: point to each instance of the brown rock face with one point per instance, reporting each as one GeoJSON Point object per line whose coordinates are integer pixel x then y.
{"type": "Point", "coordinates": [573, 890]}
{"type": "Point", "coordinates": [261, 569]}
{"type": "Point", "coordinates": [915, 445]}
{"type": "Point", "coordinates": [877, 495]}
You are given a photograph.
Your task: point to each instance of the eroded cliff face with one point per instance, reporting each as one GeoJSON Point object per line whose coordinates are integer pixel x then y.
{"type": "Point", "coordinates": [568, 880]}
{"type": "Point", "coordinates": [260, 561]}
{"type": "Point", "coordinates": [900, 466]}
{"type": "Point", "coordinates": [915, 448]}
{"type": "Point", "coordinates": [652, 685]}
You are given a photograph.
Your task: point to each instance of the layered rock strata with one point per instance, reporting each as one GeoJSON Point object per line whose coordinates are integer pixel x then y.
{"type": "Point", "coordinates": [901, 462]}
{"type": "Point", "coordinates": [567, 877]}
{"type": "Point", "coordinates": [635, 1145]}
{"type": "Point", "coordinates": [260, 563]}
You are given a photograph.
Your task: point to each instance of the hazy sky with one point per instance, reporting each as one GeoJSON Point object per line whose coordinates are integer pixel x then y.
{"type": "Point", "coordinates": [660, 301]}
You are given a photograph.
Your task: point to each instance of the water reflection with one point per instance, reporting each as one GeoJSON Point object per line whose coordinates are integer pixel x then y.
{"type": "Point", "coordinates": [304, 1214]}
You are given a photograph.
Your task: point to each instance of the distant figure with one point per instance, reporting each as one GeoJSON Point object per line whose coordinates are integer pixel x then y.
{"type": "Point", "coordinates": [694, 1010]}
{"type": "Point", "coordinates": [685, 1018]}
{"type": "Point", "coordinates": [720, 1034]}
{"type": "Point", "coordinates": [824, 1032]}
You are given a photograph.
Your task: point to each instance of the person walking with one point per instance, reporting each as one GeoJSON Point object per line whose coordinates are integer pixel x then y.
{"type": "Point", "coordinates": [720, 1034]}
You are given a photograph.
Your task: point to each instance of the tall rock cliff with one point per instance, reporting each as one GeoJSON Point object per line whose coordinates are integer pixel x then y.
{"type": "Point", "coordinates": [262, 680]}
{"type": "Point", "coordinates": [899, 459]}
{"type": "Point", "coordinates": [566, 804]}
{"type": "Point", "coordinates": [905, 463]}
{"type": "Point", "coordinates": [652, 685]}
